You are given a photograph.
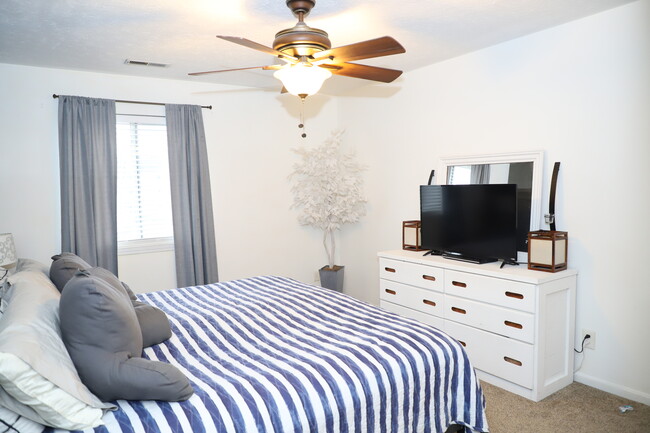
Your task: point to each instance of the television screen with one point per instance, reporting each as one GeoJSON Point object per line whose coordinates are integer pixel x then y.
{"type": "Point", "coordinates": [477, 223]}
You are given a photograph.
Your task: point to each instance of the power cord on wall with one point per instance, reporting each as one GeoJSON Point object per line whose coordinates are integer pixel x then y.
{"type": "Point", "coordinates": [582, 349]}
{"type": "Point", "coordinates": [582, 346]}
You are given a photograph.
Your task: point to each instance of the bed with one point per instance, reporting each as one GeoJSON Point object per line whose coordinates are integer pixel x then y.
{"type": "Point", "coordinates": [271, 354]}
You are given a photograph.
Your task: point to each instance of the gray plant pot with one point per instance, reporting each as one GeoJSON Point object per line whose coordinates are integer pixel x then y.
{"type": "Point", "coordinates": [332, 278]}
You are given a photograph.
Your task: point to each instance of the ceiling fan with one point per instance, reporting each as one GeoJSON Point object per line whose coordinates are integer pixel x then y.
{"type": "Point", "coordinates": [310, 59]}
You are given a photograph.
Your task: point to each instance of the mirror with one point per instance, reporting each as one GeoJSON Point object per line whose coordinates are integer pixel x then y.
{"type": "Point", "coordinates": [523, 169]}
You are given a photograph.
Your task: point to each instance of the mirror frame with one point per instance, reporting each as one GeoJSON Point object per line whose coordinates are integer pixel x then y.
{"type": "Point", "coordinates": [536, 157]}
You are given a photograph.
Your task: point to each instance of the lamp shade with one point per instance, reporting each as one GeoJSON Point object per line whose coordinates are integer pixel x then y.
{"type": "Point", "coordinates": [7, 250]}
{"type": "Point", "coordinates": [547, 250]}
{"type": "Point", "coordinates": [302, 79]}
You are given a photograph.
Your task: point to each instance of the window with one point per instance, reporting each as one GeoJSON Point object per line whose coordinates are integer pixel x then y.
{"type": "Point", "coordinates": [459, 175]}
{"type": "Point", "coordinates": [144, 213]}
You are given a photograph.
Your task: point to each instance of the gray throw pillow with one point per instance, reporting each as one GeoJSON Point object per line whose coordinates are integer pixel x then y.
{"type": "Point", "coordinates": [101, 331]}
{"type": "Point", "coordinates": [64, 266]}
{"type": "Point", "coordinates": [130, 292]}
{"type": "Point", "coordinates": [153, 321]}
{"type": "Point", "coordinates": [154, 324]}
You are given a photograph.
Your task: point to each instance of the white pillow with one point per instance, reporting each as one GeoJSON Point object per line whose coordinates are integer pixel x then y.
{"type": "Point", "coordinates": [55, 406]}
{"type": "Point", "coordinates": [5, 281]}
{"type": "Point", "coordinates": [32, 265]}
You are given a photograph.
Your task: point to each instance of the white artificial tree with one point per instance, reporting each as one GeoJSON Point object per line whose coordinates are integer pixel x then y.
{"type": "Point", "coordinates": [328, 189]}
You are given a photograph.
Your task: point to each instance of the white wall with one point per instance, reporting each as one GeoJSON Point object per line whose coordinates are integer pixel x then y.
{"type": "Point", "coordinates": [148, 272]}
{"type": "Point", "coordinates": [250, 134]}
{"type": "Point", "coordinates": [581, 93]}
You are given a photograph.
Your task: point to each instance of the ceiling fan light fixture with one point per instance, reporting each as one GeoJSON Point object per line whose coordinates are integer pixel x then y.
{"type": "Point", "coordinates": [302, 79]}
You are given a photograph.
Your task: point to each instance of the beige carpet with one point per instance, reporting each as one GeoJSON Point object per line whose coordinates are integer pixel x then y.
{"type": "Point", "coordinates": [575, 409]}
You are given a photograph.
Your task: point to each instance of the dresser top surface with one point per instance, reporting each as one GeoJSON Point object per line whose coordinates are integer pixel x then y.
{"type": "Point", "coordinates": [518, 273]}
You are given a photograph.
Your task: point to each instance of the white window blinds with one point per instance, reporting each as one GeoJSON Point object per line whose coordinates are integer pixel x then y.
{"type": "Point", "coordinates": [459, 175]}
{"type": "Point", "coordinates": [143, 193]}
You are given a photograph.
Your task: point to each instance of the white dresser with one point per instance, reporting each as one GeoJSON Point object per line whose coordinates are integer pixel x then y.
{"type": "Point", "coordinates": [517, 325]}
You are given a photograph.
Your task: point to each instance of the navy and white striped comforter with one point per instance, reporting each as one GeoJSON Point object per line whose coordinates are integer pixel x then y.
{"type": "Point", "coordinates": [270, 354]}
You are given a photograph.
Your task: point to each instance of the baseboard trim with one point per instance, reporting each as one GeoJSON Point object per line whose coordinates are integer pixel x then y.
{"type": "Point", "coordinates": [621, 391]}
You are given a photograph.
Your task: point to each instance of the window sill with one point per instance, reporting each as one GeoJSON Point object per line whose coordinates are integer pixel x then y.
{"type": "Point", "coordinates": [143, 246]}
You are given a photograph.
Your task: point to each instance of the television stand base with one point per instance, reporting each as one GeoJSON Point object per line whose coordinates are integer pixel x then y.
{"type": "Point", "coordinates": [461, 258]}
{"type": "Point", "coordinates": [508, 262]}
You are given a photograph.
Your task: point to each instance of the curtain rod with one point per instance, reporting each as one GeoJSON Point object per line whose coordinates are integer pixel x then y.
{"type": "Point", "coordinates": [209, 107]}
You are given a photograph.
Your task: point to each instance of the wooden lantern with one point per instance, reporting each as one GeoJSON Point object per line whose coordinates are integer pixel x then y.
{"type": "Point", "coordinates": [411, 237]}
{"type": "Point", "coordinates": [547, 250]}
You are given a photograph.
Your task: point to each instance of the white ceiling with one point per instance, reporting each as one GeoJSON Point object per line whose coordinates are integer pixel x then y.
{"type": "Point", "coordinates": [96, 35]}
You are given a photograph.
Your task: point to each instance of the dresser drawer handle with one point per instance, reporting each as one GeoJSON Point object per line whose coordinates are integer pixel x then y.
{"type": "Point", "coordinates": [429, 277]}
{"type": "Point", "coordinates": [512, 361]}
{"type": "Point", "coordinates": [514, 295]}
{"type": "Point", "coordinates": [391, 292]}
{"type": "Point", "coordinates": [459, 284]}
{"type": "Point", "coordinates": [458, 310]}
{"type": "Point", "coordinates": [426, 301]}
{"type": "Point", "coordinates": [387, 269]}
{"type": "Point", "coordinates": [463, 343]}
{"type": "Point", "coordinates": [514, 324]}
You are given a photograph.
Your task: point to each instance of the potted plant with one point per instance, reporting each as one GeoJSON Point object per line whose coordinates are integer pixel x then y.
{"type": "Point", "coordinates": [328, 189]}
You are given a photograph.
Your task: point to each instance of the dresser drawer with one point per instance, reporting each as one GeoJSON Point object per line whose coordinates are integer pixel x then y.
{"type": "Point", "coordinates": [412, 314]}
{"type": "Point", "coordinates": [503, 357]}
{"type": "Point", "coordinates": [504, 321]}
{"type": "Point", "coordinates": [426, 301]}
{"type": "Point", "coordinates": [497, 291]}
{"type": "Point", "coordinates": [424, 276]}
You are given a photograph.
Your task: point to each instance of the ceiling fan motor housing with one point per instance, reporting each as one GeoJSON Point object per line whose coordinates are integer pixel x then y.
{"type": "Point", "coordinates": [301, 40]}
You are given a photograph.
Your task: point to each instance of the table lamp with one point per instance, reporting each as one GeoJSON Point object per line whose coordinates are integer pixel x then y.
{"type": "Point", "coordinates": [7, 252]}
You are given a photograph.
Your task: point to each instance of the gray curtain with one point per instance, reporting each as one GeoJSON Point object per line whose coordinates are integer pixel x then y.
{"type": "Point", "coordinates": [88, 161]}
{"type": "Point", "coordinates": [480, 174]}
{"type": "Point", "coordinates": [194, 241]}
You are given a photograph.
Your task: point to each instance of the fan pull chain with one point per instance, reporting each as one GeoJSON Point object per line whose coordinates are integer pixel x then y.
{"type": "Point", "coordinates": [301, 125]}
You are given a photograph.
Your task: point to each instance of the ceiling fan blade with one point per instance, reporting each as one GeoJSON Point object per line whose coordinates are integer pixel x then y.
{"type": "Point", "coordinates": [366, 72]}
{"type": "Point", "coordinates": [259, 47]}
{"type": "Point", "coordinates": [328, 66]}
{"type": "Point", "coordinates": [270, 67]}
{"type": "Point", "coordinates": [384, 46]}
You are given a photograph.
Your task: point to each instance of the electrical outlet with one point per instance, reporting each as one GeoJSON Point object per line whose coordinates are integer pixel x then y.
{"type": "Point", "coordinates": [590, 343]}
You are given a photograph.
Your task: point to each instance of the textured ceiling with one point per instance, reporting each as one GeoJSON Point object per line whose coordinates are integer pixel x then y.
{"type": "Point", "coordinates": [98, 35]}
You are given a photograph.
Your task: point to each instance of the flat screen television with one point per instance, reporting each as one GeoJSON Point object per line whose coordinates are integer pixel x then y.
{"type": "Point", "coordinates": [475, 223]}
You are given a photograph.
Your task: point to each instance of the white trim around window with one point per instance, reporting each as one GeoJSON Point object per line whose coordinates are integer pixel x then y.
{"type": "Point", "coordinates": [142, 246]}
